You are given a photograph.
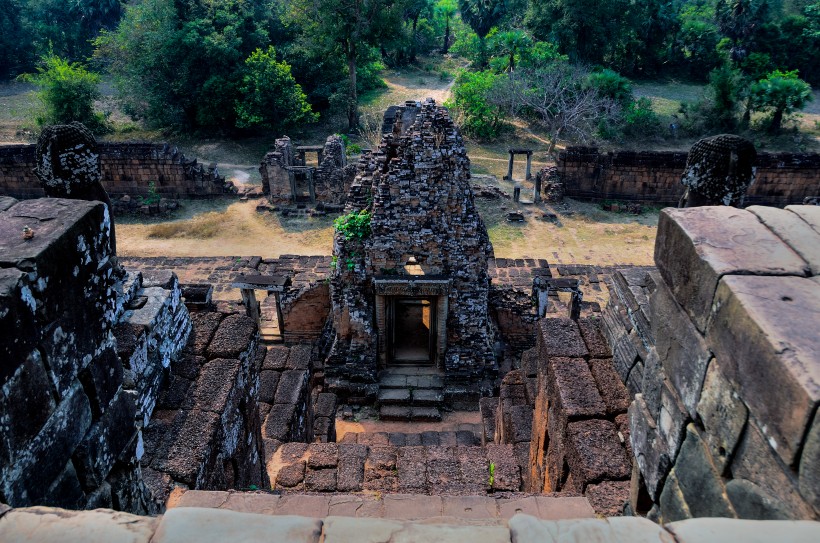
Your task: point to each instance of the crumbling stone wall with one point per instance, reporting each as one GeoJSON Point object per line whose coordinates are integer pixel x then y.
{"type": "Point", "coordinates": [655, 176]}
{"type": "Point", "coordinates": [416, 187]}
{"type": "Point", "coordinates": [331, 178]}
{"type": "Point", "coordinates": [70, 435]}
{"type": "Point", "coordinates": [725, 419]}
{"type": "Point", "coordinates": [127, 169]}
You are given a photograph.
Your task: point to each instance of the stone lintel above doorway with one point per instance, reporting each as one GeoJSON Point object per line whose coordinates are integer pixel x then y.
{"type": "Point", "coordinates": [400, 286]}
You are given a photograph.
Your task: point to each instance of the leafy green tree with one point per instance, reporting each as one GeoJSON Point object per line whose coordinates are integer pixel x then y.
{"type": "Point", "coordinates": [724, 86]}
{"type": "Point", "coordinates": [67, 92]}
{"type": "Point", "coordinates": [15, 42]}
{"type": "Point", "coordinates": [182, 63]}
{"type": "Point", "coordinates": [512, 44]}
{"type": "Point", "coordinates": [610, 84]}
{"type": "Point", "coordinates": [351, 27]}
{"type": "Point", "coordinates": [270, 97]}
{"type": "Point", "coordinates": [480, 117]}
{"type": "Point", "coordinates": [740, 21]}
{"type": "Point", "coordinates": [446, 9]}
{"type": "Point", "coordinates": [482, 16]}
{"type": "Point", "coordinates": [780, 93]}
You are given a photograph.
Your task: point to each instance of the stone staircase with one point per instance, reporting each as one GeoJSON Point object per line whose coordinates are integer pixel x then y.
{"type": "Point", "coordinates": [411, 394]}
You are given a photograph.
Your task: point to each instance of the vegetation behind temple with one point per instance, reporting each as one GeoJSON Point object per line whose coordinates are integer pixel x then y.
{"type": "Point", "coordinates": [270, 64]}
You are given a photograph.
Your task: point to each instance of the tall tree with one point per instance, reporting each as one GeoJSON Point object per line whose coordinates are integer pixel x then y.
{"type": "Point", "coordinates": [352, 26]}
{"type": "Point", "coordinates": [446, 9]}
{"type": "Point", "coordinates": [482, 16]}
{"type": "Point", "coordinates": [739, 21]}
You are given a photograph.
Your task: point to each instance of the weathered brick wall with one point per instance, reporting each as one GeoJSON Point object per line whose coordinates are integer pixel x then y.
{"type": "Point", "coordinates": [654, 176]}
{"type": "Point", "coordinates": [725, 419]}
{"type": "Point", "coordinates": [127, 168]}
{"type": "Point", "coordinates": [71, 409]}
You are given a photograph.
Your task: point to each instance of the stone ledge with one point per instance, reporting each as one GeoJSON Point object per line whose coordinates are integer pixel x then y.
{"type": "Point", "coordinates": [183, 524]}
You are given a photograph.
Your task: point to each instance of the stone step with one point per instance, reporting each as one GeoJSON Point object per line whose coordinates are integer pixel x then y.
{"type": "Point", "coordinates": [427, 397]}
{"type": "Point", "coordinates": [425, 414]}
{"type": "Point", "coordinates": [464, 438]}
{"type": "Point", "coordinates": [403, 412]}
{"type": "Point", "coordinates": [483, 509]}
{"type": "Point", "coordinates": [394, 396]}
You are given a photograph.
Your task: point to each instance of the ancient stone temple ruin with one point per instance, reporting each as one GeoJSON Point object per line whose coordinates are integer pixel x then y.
{"type": "Point", "coordinates": [417, 388]}
{"type": "Point", "coordinates": [412, 288]}
{"type": "Point", "coordinates": [288, 176]}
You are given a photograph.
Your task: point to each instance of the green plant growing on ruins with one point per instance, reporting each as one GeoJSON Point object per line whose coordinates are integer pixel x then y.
{"type": "Point", "coordinates": [153, 196]}
{"type": "Point", "coordinates": [355, 225]}
{"type": "Point", "coordinates": [491, 480]}
{"type": "Point", "coordinates": [334, 262]}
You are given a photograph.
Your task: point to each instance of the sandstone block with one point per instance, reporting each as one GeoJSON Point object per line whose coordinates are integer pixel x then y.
{"type": "Point", "coordinates": [681, 349]}
{"type": "Point", "coordinates": [608, 498]}
{"type": "Point", "coordinates": [705, 530]}
{"type": "Point", "coordinates": [613, 392]}
{"type": "Point", "coordinates": [767, 347]}
{"type": "Point", "coordinates": [810, 214]}
{"type": "Point", "coordinates": [752, 502]}
{"type": "Point", "coordinates": [101, 526]}
{"type": "Point", "coordinates": [794, 230]}
{"type": "Point", "coordinates": [672, 502]}
{"type": "Point", "coordinates": [696, 247]}
{"type": "Point", "coordinates": [700, 482]}
{"type": "Point", "coordinates": [526, 528]}
{"type": "Point", "coordinates": [809, 479]}
{"type": "Point", "coordinates": [412, 506]}
{"type": "Point", "coordinates": [595, 342]}
{"type": "Point", "coordinates": [649, 449]}
{"type": "Point", "coordinates": [215, 525]}
{"type": "Point", "coordinates": [233, 337]}
{"type": "Point", "coordinates": [723, 414]}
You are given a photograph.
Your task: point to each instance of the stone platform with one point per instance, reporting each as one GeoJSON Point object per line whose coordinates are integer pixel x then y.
{"type": "Point", "coordinates": [237, 519]}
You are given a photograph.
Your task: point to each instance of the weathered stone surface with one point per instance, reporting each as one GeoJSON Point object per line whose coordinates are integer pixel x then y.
{"type": "Point", "coordinates": [205, 324]}
{"type": "Point", "coordinates": [752, 502]}
{"type": "Point", "coordinates": [278, 422]}
{"type": "Point", "coordinates": [292, 386]}
{"type": "Point", "coordinates": [291, 475]}
{"type": "Point", "coordinates": [764, 333]}
{"type": "Point", "coordinates": [411, 506]}
{"type": "Point", "coordinates": [706, 530]}
{"type": "Point", "coordinates": [653, 381]}
{"type": "Point", "coordinates": [809, 478]}
{"type": "Point", "coordinates": [232, 338]}
{"type": "Point", "coordinates": [682, 351]}
{"type": "Point", "coordinates": [594, 452]}
{"type": "Point", "coordinates": [672, 419]}
{"type": "Point", "coordinates": [672, 502]}
{"type": "Point", "coordinates": [347, 530]}
{"type": "Point", "coordinates": [276, 358]}
{"type": "Point", "coordinates": [350, 472]}
{"type": "Point", "coordinates": [555, 508]}
{"type": "Point", "coordinates": [700, 482]}
{"type": "Point", "coordinates": [268, 381]}
{"type": "Point", "coordinates": [650, 450]}
{"type": "Point", "coordinates": [214, 525]}
{"type": "Point", "coordinates": [507, 473]}
{"type": "Point", "coordinates": [597, 346]}
{"type": "Point", "coordinates": [573, 387]}
{"type": "Point", "coordinates": [526, 528]}
{"type": "Point", "coordinates": [560, 337]}
{"type": "Point", "coordinates": [613, 392]}
{"type": "Point", "coordinates": [44, 524]}
{"type": "Point", "coordinates": [608, 498]}
{"type": "Point", "coordinates": [810, 214]}
{"type": "Point", "coordinates": [412, 467]}
{"type": "Point", "coordinates": [796, 232]}
{"type": "Point", "coordinates": [320, 480]}
{"type": "Point", "coordinates": [696, 247]}
{"type": "Point", "coordinates": [723, 415]}
{"type": "Point", "coordinates": [323, 455]}
{"type": "Point", "coordinates": [470, 507]}
{"type": "Point", "coordinates": [755, 461]}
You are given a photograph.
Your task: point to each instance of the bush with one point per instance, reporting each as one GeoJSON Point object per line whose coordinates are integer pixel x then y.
{"type": "Point", "coordinates": [612, 85]}
{"type": "Point", "coordinates": [640, 119]}
{"type": "Point", "coordinates": [270, 97]}
{"type": "Point", "coordinates": [67, 91]}
{"type": "Point", "coordinates": [354, 225]}
{"type": "Point", "coordinates": [780, 93]}
{"type": "Point", "coordinates": [480, 118]}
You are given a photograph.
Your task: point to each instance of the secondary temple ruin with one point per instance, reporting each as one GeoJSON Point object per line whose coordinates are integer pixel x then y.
{"type": "Point", "coordinates": [684, 390]}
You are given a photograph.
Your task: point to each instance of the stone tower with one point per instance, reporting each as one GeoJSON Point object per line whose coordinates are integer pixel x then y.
{"type": "Point", "coordinates": [411, 288]}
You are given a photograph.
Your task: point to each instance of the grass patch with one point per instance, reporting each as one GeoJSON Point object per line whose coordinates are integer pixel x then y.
{"type": "Point", "coordinates": [205, 226]}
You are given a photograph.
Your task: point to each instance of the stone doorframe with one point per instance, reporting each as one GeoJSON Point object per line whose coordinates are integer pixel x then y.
{"type": "Point", "coordinates": [438, 288]}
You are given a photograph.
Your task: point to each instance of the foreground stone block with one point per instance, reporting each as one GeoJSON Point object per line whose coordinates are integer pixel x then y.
{"type": "Point", "coordinates": [708, 530]}
{"type": "Point", "coordinates": [186, 524]}
{"type": "Point", "coordinates": [47, 525]}
{"type": "Point", "coordinates": [594, 452]}
{"type": "Point", "coordinates": [765, 338]}
{"type": "Point", "coordinates": [347, 530]}
{"type": "Point", "coordinates": [527, 529]}
{"type": "Point", "coordinates": [723, 415]}
{"type": "Point", "coordinates": [696, 247]}
{"type": "Point", "coordinates": [796, 232]}
{"type": "Point", "coordinates": [699, 481]}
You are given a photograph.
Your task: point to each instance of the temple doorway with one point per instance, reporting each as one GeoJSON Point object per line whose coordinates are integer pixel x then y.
{"type": "Point", "coordinates": [412, 330]}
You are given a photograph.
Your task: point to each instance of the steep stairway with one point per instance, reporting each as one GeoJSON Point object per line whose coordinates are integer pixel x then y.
{"type": "Point", "coordinates": [411, 394]}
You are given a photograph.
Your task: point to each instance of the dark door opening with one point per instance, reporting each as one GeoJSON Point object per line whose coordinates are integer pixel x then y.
{"type": "Point", "coordinates": [412, 331]}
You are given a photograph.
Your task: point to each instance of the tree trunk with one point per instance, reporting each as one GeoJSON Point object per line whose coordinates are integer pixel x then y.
{"type": "Point", "coordinates": [482, 53]}
{"type": "Point", "coordinates": [446, 37]}
{"type": "Point", "coordinates": [777, 120]}
{"type": "Point", "coordinates": [413, 40]}
{"type": "Point", "coordinates": [353, 99]}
